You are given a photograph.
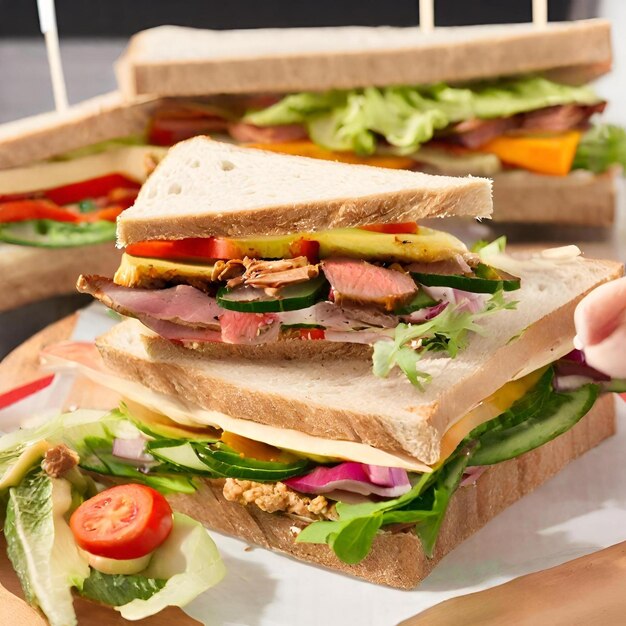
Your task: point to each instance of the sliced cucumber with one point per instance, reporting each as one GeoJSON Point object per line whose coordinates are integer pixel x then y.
{"type": "Point", "coordinates": [229, 464]}
{"type": "Point", "coordinates": [485, 280]}
{"type": "Point", "coordinates": [51, 234]}
{"type": "Point", "coordinates": [556, 416]}
{"type": "Point", "coordinates": [290, 298]}
{"type": "Point", "coordinates": [183, 456]}
{"type": "Point", "coordinates": [421, 301]}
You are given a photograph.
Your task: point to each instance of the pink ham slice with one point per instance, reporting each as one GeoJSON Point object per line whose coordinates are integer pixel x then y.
{"type": "Point", "coordinates": [181, 305]}
{"type": "Point", "coordinates": [361, 282]}
{"type": "Point", "coordinates": [249, 328]}
{"type": "Point", "coordinates": [177, 332]}
{"type": "Point", "coordinates": [246, 133]}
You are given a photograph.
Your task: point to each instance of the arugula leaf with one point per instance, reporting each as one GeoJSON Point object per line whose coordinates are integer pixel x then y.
{"type": "Point", "coordinates": [119, 589]}
{"type": "Point", "coordinates": [600, 148]}
{"type": "Point", "coordinates": [446, 332]}
{"type": "Point", "coordinates": [354, 541]}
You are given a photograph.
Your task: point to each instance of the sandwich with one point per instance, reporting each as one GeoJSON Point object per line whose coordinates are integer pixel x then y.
{"type": "Point", "coordinates": [511, 102]}
{"type": "Point", "coordinates": [381, 426]}
{"type": "Point", "coordinates": [64, 179]}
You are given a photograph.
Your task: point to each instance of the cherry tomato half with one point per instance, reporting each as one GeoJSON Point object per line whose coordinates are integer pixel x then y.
{"type": "Point", "coordinates": [124, 522]}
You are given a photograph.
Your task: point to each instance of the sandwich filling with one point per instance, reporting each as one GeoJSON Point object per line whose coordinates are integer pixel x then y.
{"type": "Point", "coordinates": [528, 123]}
{"type": "Point", "coordinates": [397, 290]}
{"type": "Point", "coordinates": [76, 198]}
{"type": "Point", "coordinates": [344, 499]}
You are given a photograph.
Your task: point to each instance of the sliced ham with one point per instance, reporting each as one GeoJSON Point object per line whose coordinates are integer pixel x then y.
{"type": "Point", "coordinates": [249, 328]}
{"type": "Point", "coordinates": [362, 282]}
{"type": "Point", "coordinates": [181, 305]}
{"type": "Point", "coordinates": [560, 118]}
{"type": "Point", "coordinates": [476, 132]}
{"type": "Point", "coordinates": [249, 133]}
{"type": "Point", "coordinates": [177, 332]}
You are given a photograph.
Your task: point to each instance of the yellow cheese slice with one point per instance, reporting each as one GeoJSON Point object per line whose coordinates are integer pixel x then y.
{"type": "Point", "coordinates": [134, 271]}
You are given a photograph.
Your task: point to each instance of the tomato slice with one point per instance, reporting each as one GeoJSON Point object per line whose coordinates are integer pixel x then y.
{"type": "Point", "coordinates": [93, 188]}
{"type": "Point", "coordinates": [192, 248]}
{"type": "Point", "coordinates": [124, 522]}
{"type": "Point", "coordinates": [21, 210]}
{"type": "Point", "coordinates": [314, 334]}
{"type": "Point", "coordinates": [404, 228]}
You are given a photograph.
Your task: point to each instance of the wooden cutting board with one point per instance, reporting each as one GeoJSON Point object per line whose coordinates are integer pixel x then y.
{"type": "Point", "coordinates": [18, 368]}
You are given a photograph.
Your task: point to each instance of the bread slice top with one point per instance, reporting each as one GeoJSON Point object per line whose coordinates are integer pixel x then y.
{"type": "Point", "coordinates": [341, 398]}
{"type": "Point", "coordinates": [205, 188]}
{"type": "Point", "coordinates": [175, 61]}
{"type": "Point", "coordinates": [46, 135]}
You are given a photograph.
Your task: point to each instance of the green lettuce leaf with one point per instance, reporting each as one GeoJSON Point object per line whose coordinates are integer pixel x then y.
{"type": "Point", "coordinates": [446, 332]}
{"type": "Point", "coordinates": [600, 148]}
{"type": "Point", "coordinates": [407, 117]}
{"type": "Point", "coordinates": [189, 563]}
{"type": "Point", "coordinates": [41, 546]}
{"type": "Point", "coordinates": [118, 589]}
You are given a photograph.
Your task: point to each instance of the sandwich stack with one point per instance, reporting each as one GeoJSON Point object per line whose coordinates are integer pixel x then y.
{"type": "Point", "coordinates": [340, 383]}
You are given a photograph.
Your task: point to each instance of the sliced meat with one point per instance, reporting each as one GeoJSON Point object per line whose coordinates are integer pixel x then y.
{"type": "Point", "coordinates": [277, 274]}
{"type": "Point", "coordinates": [455, 265]}
{"type": "Point", "coordinates": [176, 332]}
{"type": "Point", "coordinates": [362, 282]}
{"type": "Point", "coordinates": [560, 118]}
{"type": "Point", "coordinates": [182, 305]}
{"type": "Point", "coordinates": [59, 460]}
{"type": "Point", "coordinates": [476, 132]}
{"type": "Point", "coordinates": [249, 328]}
{"type": "Point", "coordinates": [369, 315]}
{"type": "Point", "coordinates": [249, 133]}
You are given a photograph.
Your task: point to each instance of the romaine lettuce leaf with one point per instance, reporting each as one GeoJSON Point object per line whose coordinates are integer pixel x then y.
{"type": "Point", "coordinates": [409, 116]}
{"type": "Point", "coordinates": [188, 561]}
{"type": "Point", "coordinates": [119, 589]}
{"type": "Point", "coordinates": [41, 546]}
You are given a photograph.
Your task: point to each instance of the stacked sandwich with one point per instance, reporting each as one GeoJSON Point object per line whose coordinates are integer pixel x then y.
{"type": "Point", "coordinates": [509, 102]}
{"type": "Point", "coordinates": [335, 380]}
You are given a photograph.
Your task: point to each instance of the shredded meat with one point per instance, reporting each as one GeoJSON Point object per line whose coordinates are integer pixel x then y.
{"type": "Point", "coordinates": [230, 271]}
{"type": "Point", "coordinates": [277, 498]}
{"type": "Point", "coordinates": [272, 275]}
{"type": "Point", "coordinates": [59, 460]}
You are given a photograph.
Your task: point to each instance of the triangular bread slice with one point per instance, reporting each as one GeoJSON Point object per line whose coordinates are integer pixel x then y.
{"type": "Point", "coordinates": [206, 187]}
{"type": "Point", "coordinates": [176, 61]}
{"type": "Point", "coordinates": [341, 399]}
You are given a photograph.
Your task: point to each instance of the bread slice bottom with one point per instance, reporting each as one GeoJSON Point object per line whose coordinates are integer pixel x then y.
{"type": "Point", "coordinates": [580, 198]}
{"type": "Point", "coordinates": [397, 559]}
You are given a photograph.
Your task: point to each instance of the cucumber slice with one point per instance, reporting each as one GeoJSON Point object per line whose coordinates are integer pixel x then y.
{"type": "Point", "coordinates": [292, 297]}
{"type": "Point", "coordinates": [485, 280]}
{"type": "Point", "coordinates": [556, 416]}
{"type": "Point", "coordinates": [232, 465]}
{"type": "Point", "coordinates": [183, 456]}
{"type": "Point", "coordinates": [51, 234]}
{"type": "Point", "coordinates": [421, 301]}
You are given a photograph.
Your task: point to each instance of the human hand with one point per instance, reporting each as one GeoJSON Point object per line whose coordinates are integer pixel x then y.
{"type": "Point", "coordinates": [601, 328]}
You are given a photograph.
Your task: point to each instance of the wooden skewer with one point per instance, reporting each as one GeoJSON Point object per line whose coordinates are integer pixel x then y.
{"type": "Point", "coordinates": [427, 16]}
{"type": "Point", "coordinates": [540, 13]}
{"type": "Point", "coordinates": [48, 24]}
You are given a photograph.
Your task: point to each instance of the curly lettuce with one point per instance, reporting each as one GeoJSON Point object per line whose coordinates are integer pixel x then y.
{"type": "Point", "coordinates": [407, 117]}
{"type": "Point", "coordinates": [600, 148]}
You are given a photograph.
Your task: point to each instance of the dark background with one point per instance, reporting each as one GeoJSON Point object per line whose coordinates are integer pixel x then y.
{"type": "Point", "coordinates": [121, 18]}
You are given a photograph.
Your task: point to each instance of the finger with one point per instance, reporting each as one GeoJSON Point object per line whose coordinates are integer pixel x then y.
{"type": "Point", "coordinates": [600, 313]}
{"type": "Point", "coordinates": [609, 356]}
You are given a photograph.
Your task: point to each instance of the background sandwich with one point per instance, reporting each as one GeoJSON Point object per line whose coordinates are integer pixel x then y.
{"type": "Point", "coordinates": [64, 178]}
{"type": "Point", "coordinates": [498, 101]}
{"type": "Point", "coordinates": [322, 445]}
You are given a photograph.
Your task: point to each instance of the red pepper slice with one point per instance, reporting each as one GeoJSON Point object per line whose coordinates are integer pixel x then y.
{"type": "Point", "coordinates": [93, 188]}
{"type": "Point", "coordinates": [192, 248]}
{"type": "Point", "coordinates": [314, 334]}
{"type": "Point", "coordinates": [21, 210]}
